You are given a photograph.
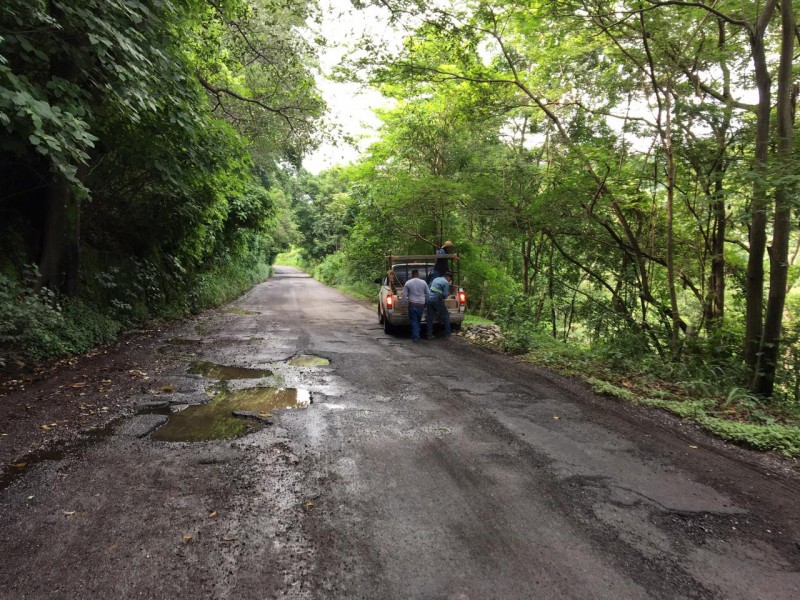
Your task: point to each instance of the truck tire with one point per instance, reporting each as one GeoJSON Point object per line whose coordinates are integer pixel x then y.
{"type": "Point", "coordinates": [388, 328]}
{"type": "Point", "coordinates": [380, 315]}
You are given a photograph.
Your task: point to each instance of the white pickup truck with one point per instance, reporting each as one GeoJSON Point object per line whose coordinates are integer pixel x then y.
{"type": "Point", "coordinates": [392, 313]}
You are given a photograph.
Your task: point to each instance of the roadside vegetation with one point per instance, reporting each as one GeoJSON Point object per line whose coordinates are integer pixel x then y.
{"type": "Point", "coordinates": [144, 152]}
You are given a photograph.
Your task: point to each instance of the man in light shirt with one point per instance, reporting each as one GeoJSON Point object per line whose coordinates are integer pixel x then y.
{"type": "Point", "coordinates": [415, 294]}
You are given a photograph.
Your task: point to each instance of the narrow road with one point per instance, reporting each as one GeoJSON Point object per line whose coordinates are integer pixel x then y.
{"type": "Point", "coordinates": [418, 471]}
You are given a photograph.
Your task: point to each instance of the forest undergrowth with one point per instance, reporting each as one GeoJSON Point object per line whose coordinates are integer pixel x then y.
{"type": "Point", "coordinates": [36, 326]}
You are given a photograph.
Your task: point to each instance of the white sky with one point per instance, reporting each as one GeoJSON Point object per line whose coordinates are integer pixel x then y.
{"type": "Point", "coordinates": [349, 104]}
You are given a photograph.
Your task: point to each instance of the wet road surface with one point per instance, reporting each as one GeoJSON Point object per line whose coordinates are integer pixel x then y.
{"type": "Point", "coordinates": [430, 470]}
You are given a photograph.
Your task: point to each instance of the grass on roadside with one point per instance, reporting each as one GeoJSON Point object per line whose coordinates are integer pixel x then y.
{"type": "Point", "coordinates": [476, 320]}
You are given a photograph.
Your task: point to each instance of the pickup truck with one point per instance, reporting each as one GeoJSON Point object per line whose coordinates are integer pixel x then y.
{"type": "Point", "coordinates": [391, 312]}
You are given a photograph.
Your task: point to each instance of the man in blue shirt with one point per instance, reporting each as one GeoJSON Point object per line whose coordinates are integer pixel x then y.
{"type": "Point", "coordinates": [415, 294]}
{"type": "Point", "coordinates": [440, 289]}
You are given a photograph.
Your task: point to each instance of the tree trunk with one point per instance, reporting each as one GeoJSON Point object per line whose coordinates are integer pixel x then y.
{"type": "Point", "coordinates": [754, 293]}
{"type": "Point", "coordinates": [668, 150]}
{"type": "Point", "coordinates": [58, 260]}
{"type": "Point", "coordinates": [716, 279]}
{"type": "Point", "coordinates": [764, 379]}
{"type": "Point", "coordinates": [551, 293]}
{"type": "Point", "coordinates": [526, 263]}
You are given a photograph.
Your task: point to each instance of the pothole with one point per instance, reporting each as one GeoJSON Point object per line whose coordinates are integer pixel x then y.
{"type": "Point", "coordinates": [308, 360]}
{"type": "Point", "coordinates": [232, 413]}
{"type": "Point", "coordinates": [224, 372]}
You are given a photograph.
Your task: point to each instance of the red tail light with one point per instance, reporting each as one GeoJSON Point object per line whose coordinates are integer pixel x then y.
{"type": "Point", "coordinates": [389, 301]}
{"type": "Point", "coordinates": [462, 297]}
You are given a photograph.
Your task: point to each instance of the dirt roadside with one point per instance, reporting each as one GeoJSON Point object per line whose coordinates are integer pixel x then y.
{"type": "Point", "coordinates": [62, 406]}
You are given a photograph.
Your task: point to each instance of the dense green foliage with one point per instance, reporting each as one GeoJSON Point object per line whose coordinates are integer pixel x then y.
{"type": "Point", "coordinates": [142, 159]}
{"type": "Point", "coordinates": [621, 176]}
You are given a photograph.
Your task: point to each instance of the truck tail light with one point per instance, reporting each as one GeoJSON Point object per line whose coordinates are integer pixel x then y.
{"type": "Point", "coordinates": [390, 301]}
{"type": "Point", "coordinates": [462, 297]}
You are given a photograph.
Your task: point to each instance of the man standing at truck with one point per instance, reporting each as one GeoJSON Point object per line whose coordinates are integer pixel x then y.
{"type": "Point", "coordinates": [415, 293]}
{"type": "Point", "coordinates": [440, 289]}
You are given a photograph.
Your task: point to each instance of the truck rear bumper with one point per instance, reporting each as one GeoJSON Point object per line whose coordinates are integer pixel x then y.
{"type": "Point", "coordinates": [401, 318]}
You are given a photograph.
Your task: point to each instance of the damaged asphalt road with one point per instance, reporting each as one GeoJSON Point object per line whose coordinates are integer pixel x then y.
{"type": "Point", "coordinates": [398, 470]}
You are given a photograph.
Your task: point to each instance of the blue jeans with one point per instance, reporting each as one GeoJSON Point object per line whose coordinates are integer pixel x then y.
{"type": "Point", "coordinates": [436, 305]}
{"type": "Point", "coordinates": [415, 312]}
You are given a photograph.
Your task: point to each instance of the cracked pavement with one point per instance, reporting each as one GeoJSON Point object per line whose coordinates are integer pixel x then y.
{"type": "Point", "coordinates": [431, 470]}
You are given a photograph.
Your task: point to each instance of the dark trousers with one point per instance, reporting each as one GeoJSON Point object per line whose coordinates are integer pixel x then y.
{"type": "Point", "coordinates": [436, 306]}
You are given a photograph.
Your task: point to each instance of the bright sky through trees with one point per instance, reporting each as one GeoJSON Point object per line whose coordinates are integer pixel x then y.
{"type": "Point", "coordinates": [349, 104]}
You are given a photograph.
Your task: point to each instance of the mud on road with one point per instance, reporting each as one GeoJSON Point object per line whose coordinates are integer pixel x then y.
{"type": "Point", "coordinates": [333, 461]}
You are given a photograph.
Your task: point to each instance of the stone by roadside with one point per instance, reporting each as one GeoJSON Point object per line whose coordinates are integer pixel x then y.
{"type": "Point", "coordinates": [486, 335]}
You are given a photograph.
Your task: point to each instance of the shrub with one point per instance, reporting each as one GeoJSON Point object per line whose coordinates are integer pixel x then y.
{"type": "Point", "coordinates": [28, 321]}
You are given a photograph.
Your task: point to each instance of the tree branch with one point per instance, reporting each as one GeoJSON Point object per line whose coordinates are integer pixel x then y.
{"type": "Point", "coordinates": [720, 15]}
{"type": "Point", "coordinates": [218, 91]}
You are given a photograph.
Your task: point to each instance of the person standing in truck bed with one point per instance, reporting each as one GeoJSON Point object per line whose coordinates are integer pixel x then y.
{"type": "Point", "coordinates": [415, 294]}
{"type": "Point", "coordinates": [442, 265]}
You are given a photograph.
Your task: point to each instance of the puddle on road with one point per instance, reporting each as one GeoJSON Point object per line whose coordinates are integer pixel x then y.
{"type": "Point", "coordinates": [216, 421]}
{"type": "Point", "coordinates": [224, 372]}
{"type": "Point", "coordinates": [308, 360]}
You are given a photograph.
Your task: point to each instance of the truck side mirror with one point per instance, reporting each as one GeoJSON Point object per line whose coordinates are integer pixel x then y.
{"type": "Point", "coordinates": [378, 280]}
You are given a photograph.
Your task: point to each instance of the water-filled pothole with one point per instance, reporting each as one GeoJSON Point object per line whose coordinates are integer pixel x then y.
{"type": "Point", "coordinates": [218, 419]}
{"type": "Point", "coordinates": [224, 372]}
{"type": "Point", "coordinates": [308, 360]}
